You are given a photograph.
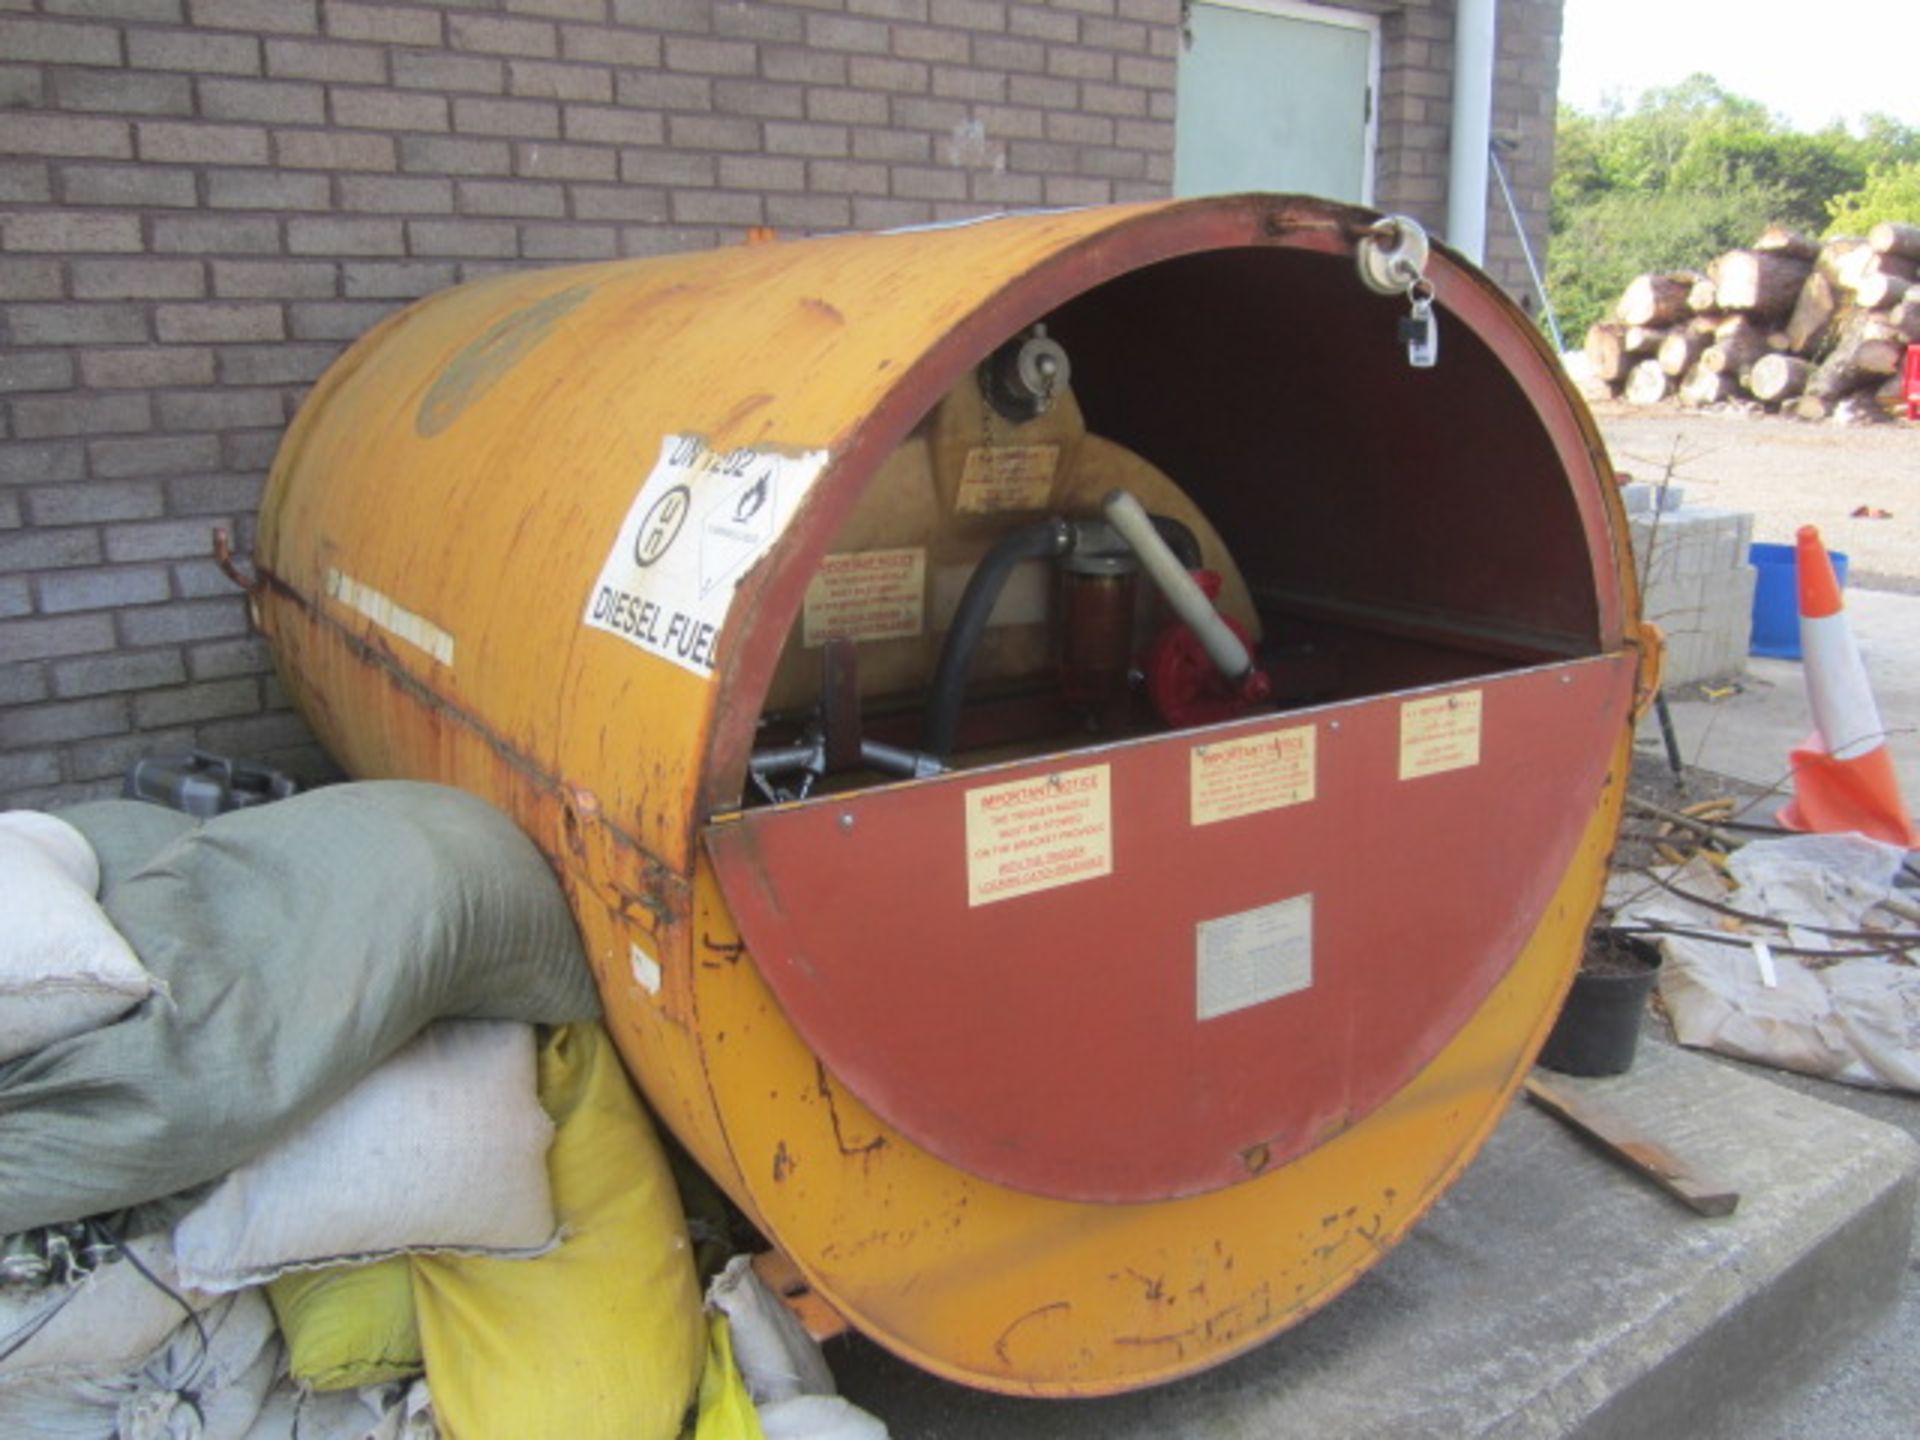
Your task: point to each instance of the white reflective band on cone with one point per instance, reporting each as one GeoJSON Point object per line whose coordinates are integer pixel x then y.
{"type": "Point", "coordinates": [1843, 708]}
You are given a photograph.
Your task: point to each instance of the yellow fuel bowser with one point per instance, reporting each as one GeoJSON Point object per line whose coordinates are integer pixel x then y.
{"type": "Point", "coordinates": [1083, 745]}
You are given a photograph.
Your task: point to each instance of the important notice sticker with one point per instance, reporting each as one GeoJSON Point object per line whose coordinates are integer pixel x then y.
{"type": "Point", "coordinates": [700, 523]}
{"type": "Point", "coordinates": [1039, 833]}
{"type": "Point", "coordinates": [1244, 776]}
{"type": "Point", "coordinates": [1007, 477]}
{"type": "Point", "coordinates": [1253, 957]}
{"type": "Point", "coordinates": [866, 595]}
{"type": "Point", "coordinates": [1439, 734]}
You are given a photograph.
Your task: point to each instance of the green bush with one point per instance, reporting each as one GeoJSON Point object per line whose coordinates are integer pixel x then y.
{"type": "Point", "coordinates": [1608, 240]}
{"type": "Point", "coordinates": [1691, 171]}
{"type": "Point", "coordinates": [1892, 192]}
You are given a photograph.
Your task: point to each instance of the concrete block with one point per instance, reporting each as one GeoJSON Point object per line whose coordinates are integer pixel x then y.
{"type": "Point", "coordinates": [227, 659]}
{"type": "Point", "coordinates": [226, 408]}
{"type": "Point", "coordinates": [569, 242]}
{"type": "Point", "coordinates": [326, 60]}
{"type": "Point", "coordinates": [1007, 56]}
{"type": "Point", "coordinates": [24, 370]}
{"type": "Point", "coordinates": [59, 43]}
{"type": "Point", "coordinates": [274, 279]}
{"type": "Point", "coordinates": [38, 416]}
{"type": "Point", "coordinates": [329, 150]}
{"type": "Point", "coordinates": [216, 235]}
{"type": "Point", "coordinates": [392, 195]}
{"type": "Point", "coordinates": [336, 319]}
{"type": "Point", "coordinates": [182, 622]}
{"type": "Point", "coordinates": [663, 90]}
{"type": "Point", "coordinates": [489, 35]}
{"type": "Point", "coordinates": [439, 71]}
{"type": "Point", "coordinates": [154, 454]}
{"type": "Point", "coordinates": [604, 45]}
{"type": "Point", "coordinates": [216, 494]}
{"type": "Point", "coordinates": [443, 155]}
{"type": "Point", "coordinates": [334, 236]}
{"type": "Point", "coordinates": [219, 320]}
{"type": "Point", "coordinates": [475, 238]}
{"type": "Point", "coordinates": [22, 684]}
{"type": "Point", "coordinates": [171, 142]}
{"type": "Point", "coordinates": [66, 591]}
{"type": "Point", "coordinates": [160, 540]}
{"type": "Point", "coordinates": [22, 768]}
{"type": "Point", "coordinates": [816, 67]}
{"type": "Point", "coordinates": [111, 758]}
{"type": "Point", "coordinates": [70, 231]}
{"type": "Point", "coordinates": [610, 125]}
{"type": "Point", "coordinates": [107, 674]}
{"type": "Point", "coordinates": [701, 55]}
{"type": "Point", "coordinates": [28, 550]}
{"type": "Point", "coordinates": [94, 502]}
{"type": "Point", "coordinates": [274, 102]}
{"type": "Point", "coordinates": [198, 54]}
{"type": "Point", "coordinates": [37, 639]}
{"type": "Point", "coordinates": [388, 110]}
{"type": "Point", "coordinates": [138, 279]}
{"type": "Point", "coordinates": [382, 23]}
{"type": "Point", "coordinates": [520, 198]}
{"type": "Point", "coordinates": [540, 160]}
{"type": "Point", "coordinates": [196, 702]}
{"type": "Point", "coordinates": [1549, 1294]}
{"type": "Point", "coordinates": [394, 279]}
{"type": "Point", "coordinates": [558, 80]}
{"type": "Point", "coordinates": [127, 187]}
{"type": "Point", "coordinates": [287, 17]}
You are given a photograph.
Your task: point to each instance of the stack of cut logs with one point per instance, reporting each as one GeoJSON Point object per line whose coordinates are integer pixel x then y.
{"type": "Point", "coordinates": [1815, 330]}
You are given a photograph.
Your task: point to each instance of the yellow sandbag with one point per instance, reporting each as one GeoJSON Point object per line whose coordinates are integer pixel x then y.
{"type": "Point", "coordinates": [726, 1410]}
{"type": "Point", "coordinates": [601, 1336]}
{"type": "Point", "coordinates": [348, 1326]}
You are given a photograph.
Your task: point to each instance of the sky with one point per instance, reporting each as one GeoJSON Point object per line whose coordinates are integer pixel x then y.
{"type": "Point", "coordinates": [1765, 50]}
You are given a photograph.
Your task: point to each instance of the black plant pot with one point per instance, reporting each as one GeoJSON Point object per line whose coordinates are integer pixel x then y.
{"type": "Point", "coordinates": [1599, 1025]}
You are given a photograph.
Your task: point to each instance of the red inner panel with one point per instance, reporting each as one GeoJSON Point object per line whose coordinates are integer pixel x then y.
{"type": "Point", "coordinates": [1051, 1041]}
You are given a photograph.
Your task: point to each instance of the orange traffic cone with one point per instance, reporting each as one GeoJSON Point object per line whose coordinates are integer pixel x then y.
{"type": "Point", "coordinates": [1843, 776]}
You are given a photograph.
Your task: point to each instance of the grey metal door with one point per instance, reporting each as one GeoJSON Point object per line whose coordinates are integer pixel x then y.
{"type": "Point", "coordinates": [1271, 98]}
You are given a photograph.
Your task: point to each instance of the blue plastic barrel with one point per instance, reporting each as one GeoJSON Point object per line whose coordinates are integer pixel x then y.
{"type": "Point", "coordinates": [1776, 599]}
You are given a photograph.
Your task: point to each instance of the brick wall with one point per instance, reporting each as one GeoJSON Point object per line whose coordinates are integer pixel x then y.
{"type": "Point", "coordinates": [202, 201]}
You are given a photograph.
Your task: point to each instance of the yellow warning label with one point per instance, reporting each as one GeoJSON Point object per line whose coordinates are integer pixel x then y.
{"type": "Point", "coordinates": [1439, 734]}
{"type": "Point", "coordinates": [1252, 773]}
{"type": "Point", "coordinates": [1038, 834]}
{"type": "Point", "coordinates": [1007, 477]}
{"type": "Point", "coordinates": [866, 595]}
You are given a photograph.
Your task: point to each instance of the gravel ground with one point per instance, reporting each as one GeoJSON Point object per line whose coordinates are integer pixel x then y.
{"type": "Point", "coordinates": [1788, 474]}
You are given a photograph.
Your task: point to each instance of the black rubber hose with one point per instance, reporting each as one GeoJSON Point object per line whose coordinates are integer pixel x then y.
{"type": "Point", "coordinates": [1042, 540]}
{"type": "Point", "coordinates": [1180, 540]}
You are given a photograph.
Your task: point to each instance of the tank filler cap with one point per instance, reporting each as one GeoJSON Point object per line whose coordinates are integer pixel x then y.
{"type": "Point", "coordinates": [1022, 377]}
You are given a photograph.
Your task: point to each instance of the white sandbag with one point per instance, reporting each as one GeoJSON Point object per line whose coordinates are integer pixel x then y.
{"type": "Point", "coordinates": [818, 1417]}
{"type": "Point", "coordinates": [441, 1148]}
{"type": "Point", "coordinates": [104, 1325]}
{"type": "Point", "coordinates": [399, 1411]}
{"type": "Point", "coordinates": [776, 1356]}
{"type": "Point", "coordinates": [207, 1382]}
{"type": "Point", "coordinates": [64, 969]}
{"type": "Point", "coordinates": [59, 841]}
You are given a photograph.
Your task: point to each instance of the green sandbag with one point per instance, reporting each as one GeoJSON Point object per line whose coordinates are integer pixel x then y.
{"type": "Point", "coordinates": [299, 944]}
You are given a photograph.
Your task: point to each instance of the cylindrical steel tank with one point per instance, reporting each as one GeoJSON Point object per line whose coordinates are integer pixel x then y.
{"type": "Point", "coordinates": [1085, 1048]}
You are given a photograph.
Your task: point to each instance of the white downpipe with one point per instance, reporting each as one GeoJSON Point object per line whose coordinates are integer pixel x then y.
{"type": "Point", "coordinates": [1476, 26]}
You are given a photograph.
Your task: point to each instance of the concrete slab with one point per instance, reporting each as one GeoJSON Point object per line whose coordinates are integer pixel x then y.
{"type": "Point", "coordinates": [1748, 735]}
{"type": "Point", "coordinates": [1549, 1294]}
